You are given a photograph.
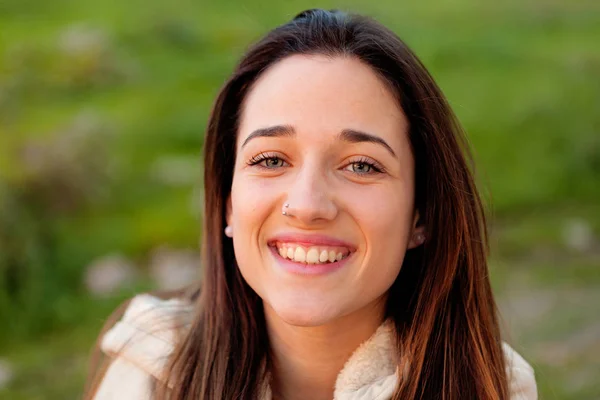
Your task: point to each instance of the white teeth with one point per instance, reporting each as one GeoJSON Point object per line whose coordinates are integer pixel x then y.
{"type": "Point", "coordinates": [312, 257]}
{"type": "Point", "coordinates": [299, 255]}
{"type": "Point", "coordinates": [331, 256]}
{"type": "Point", "coordinates": [323, 256]}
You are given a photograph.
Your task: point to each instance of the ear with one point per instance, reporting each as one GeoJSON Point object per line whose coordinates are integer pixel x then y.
{"type": "Point", "coordinates": [417, 233]}
{"type": "Point", "coordinates": [228, 217]}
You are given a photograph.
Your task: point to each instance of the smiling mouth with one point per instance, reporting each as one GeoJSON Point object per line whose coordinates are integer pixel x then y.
{"type": "Point", "coordinates": [311, 254]}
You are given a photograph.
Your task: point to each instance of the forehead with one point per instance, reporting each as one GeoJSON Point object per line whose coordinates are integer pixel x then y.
{"type": "Point", "coordinates": [323, 95]}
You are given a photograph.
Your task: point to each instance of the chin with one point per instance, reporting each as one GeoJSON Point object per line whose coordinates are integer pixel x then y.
{"type": "Point", "coordinates": [300, 312]}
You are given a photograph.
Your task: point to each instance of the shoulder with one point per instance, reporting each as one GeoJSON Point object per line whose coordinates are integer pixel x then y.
{"type": "Point", "coordinates": [521, 376]}
{"type": "Point", "coordinates": [140, 344]}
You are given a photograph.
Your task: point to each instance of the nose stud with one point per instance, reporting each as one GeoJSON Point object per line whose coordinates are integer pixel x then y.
{"type": "Point", "coordinates": [285, 209]}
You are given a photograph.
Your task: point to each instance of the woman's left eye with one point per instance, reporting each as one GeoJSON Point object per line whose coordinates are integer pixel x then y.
{"type": "Point", "coordinates": [363, 167]}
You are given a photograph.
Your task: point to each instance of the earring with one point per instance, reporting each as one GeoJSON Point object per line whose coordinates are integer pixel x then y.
{"type": "Point", "coordinates": [420, 238]}
{"type": "Point", "coordinates": [228, 231]}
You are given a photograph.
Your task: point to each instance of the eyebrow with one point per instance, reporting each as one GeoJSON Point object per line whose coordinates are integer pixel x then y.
{"type": "Point", "coordinates": [354, 136]}
{"type": "Point", "coordinates": [272, 131]}
{"type": "Point", "coordinates": [347, 135]}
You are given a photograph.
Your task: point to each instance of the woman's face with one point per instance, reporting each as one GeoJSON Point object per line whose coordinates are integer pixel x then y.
{"type": "Point", "coordinates": [326, 136]}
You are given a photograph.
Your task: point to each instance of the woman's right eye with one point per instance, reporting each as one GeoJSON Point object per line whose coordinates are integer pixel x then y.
{"type": "Point", "coordinates": [273, 162]}
{"type": "Point", "coordinates": [266, 161]}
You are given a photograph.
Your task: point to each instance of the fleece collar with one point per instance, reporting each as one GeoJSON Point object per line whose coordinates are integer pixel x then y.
{"type": "Point", "coordinates": [147, 333]}
{"type": "Point", "coordinates": [145, 337]}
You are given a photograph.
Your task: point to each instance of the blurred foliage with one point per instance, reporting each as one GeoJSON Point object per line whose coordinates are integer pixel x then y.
{"type": "Point", "coordinates": [102, 111]}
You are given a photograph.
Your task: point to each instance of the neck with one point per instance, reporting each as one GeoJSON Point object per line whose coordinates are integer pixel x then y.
{"type": "Point", "coordinates": [306, 361]}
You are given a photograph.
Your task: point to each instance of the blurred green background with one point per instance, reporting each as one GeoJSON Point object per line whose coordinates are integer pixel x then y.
{"type": "Point", "coordinates": [103, 106]}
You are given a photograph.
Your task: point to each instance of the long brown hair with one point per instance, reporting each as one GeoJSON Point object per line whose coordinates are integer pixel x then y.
{"type": "Point", "coordinates": [441, 302]}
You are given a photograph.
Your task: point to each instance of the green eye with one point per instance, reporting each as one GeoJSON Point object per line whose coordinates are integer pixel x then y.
{"type": "Point", "coordinates": [267, 161]}
{"type": "Point", "coordinates": [361, 167]}
{"type": "Point", "coordinates": [273, 162]}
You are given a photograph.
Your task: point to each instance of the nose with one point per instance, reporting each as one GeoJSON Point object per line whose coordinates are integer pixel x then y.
{"type": "Point", "coordinates": [309, 199]}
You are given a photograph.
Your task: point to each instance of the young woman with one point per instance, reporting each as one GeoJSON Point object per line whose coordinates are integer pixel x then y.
{"type": "Point", "coordinates": [345, 244]}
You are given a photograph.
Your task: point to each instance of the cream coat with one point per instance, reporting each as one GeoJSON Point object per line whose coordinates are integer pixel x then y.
{"type": "Point", "coordinates": [143, 339]}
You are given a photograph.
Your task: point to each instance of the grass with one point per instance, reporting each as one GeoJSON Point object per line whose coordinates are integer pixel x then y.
{"type": "Point", "coordinates": [521, 75]}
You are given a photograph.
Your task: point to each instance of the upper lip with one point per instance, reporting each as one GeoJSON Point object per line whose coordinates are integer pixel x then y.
{"type": "Point", "coordinates": [310, 240]}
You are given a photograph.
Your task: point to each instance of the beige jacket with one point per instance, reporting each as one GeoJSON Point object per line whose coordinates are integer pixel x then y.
{"type": "Point", "coordinates": [142, 341]}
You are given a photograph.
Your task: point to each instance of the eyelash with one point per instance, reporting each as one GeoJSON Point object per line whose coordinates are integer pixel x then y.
{"type": "Point", "coordinates": [259, 158]}
{"type": "Point", "coordinates": [372, 164]}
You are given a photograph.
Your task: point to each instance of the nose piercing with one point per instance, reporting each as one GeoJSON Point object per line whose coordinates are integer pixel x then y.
{"type": "Point", "coordinates": [285, 210]}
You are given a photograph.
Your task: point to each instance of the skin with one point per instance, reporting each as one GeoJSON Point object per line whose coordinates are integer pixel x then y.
{"type": "Point", "coordinates": [315, 322]}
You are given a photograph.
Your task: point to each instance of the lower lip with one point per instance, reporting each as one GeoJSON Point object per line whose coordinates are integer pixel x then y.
{"type": "Point", "coordinates": [308, 269]}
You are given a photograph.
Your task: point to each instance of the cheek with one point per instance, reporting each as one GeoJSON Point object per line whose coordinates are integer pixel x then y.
{"type": "Point", "coordinates": [252, 206]}
{"type": "Point", "coordinates": [384, 214]}
{"type": "Point", "coordinates": [251, 201]}
{"type": "Point", "coordinates": [384, 218]}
